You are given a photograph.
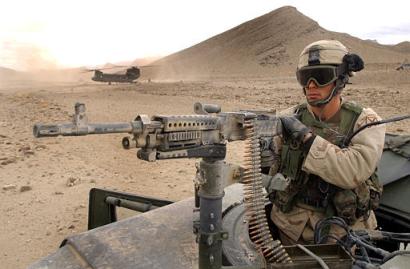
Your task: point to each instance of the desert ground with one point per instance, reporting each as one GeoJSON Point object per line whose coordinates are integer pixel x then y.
{"type": "Point", "coordinates": [44, 183]}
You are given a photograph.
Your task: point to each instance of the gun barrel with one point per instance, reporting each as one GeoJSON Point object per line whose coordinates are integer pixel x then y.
{"type": "Point", "coordinates": [70, 129]}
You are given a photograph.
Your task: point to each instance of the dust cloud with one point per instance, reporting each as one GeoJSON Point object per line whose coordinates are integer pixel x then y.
{"type": "Point", "coordinates": [26, 57]}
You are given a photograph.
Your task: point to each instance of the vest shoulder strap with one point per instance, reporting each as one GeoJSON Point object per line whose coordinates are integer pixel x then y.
{"type": "Point", "coordinates": [350, 113]}
{"type": "Point", "coordinates": [353, 107]}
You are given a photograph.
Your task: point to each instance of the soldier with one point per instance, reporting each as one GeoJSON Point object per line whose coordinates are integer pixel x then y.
{"type": "Point", "coordinates": [318, 175]}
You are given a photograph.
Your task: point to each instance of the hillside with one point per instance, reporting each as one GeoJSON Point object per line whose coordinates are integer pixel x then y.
{"type": "Point", "coordinates": [402, 47]}
{"type": "Point", "coordinates": [270, 43]}
{"type": "Point", "coordinates": [7, 73]}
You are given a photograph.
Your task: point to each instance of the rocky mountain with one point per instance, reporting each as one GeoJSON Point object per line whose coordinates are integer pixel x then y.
{"type": "Point", "coordinates": [265, 45]}
{"type": "Point", "coordinates": [4, 71]}
{"type": "Point", "coordinates": [10, 74]}
{"type": "Point", "coordinates": [144, 61]}
{"type": "Point", "coordinates": [402, 47]}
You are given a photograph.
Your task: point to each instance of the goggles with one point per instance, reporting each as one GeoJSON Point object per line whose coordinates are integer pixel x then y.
{"type": "Point", "coordinates": [322, 75]}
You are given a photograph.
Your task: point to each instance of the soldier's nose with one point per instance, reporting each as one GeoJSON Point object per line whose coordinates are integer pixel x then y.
{"type": "Point", "coordinates": [312, 84]}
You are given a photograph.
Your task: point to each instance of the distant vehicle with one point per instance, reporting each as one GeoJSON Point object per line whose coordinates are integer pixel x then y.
{"type": "Point", "coordinates": [129, 75]}
{"type": "Point", "coordinates": [403, 67]}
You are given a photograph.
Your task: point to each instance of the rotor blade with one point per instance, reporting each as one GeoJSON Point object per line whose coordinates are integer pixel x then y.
{"type": "Point", "coordinates": [88, 70]}
{"type": "Point", "coordinates": [150, 65]}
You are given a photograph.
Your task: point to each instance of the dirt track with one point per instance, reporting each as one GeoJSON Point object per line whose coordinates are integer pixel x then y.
{"type": "Point", "coordinates": [45, 182]}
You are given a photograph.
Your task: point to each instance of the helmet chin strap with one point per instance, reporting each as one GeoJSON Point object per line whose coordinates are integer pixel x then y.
{"type": "Point", "coordinates": [336, 89]}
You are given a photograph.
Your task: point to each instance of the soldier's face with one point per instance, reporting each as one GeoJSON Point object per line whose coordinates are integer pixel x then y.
{"type": "Point", "coordinates": [316, 93]}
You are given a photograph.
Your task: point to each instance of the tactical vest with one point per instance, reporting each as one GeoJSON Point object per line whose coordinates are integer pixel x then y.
{"type": "Point", "coordinates": [313, 191]}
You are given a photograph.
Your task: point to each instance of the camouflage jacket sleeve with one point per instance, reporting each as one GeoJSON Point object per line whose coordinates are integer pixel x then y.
{"type": "Point", "coordinates": [348, 167]}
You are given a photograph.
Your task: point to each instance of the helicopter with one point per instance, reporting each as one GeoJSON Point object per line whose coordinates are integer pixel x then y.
{"type": "Point", "coordinates": [404, 66]}
{"type": "Point", "coordinates": [129, 75]}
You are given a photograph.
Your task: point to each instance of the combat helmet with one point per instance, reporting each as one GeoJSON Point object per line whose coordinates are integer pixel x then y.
{"type": "Point", "coordinates": [325, 62]}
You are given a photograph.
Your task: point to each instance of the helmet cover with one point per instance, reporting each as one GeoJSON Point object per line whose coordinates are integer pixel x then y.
{"type": "Point", "coordinates": [323, 52]}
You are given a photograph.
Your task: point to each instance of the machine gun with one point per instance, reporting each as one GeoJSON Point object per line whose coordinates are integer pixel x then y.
{"type": "Point", "coordinates": [205, 135]}
{"type": "Point", "coordinates": [202, 135]}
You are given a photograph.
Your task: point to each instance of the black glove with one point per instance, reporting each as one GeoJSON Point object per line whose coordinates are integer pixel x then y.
{"type": "Point", "coordinates": [294, 129]}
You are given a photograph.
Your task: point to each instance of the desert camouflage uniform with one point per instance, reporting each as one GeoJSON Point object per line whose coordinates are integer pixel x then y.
{"type": "Point", "coordinates": [346, 168]}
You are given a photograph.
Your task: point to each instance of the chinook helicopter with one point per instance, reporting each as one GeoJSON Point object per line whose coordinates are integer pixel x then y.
{"type": "Point", "coordinates": [228, 214]}
{"type": "Point", "coordinates": [129, 75]}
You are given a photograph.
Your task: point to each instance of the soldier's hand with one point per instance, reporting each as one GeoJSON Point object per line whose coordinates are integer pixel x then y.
{"type": "Point", "coordinates": [294, 129]}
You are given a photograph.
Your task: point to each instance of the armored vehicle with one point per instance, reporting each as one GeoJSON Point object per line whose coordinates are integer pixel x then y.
{"type": "Point", "coordinates": [225, 225]}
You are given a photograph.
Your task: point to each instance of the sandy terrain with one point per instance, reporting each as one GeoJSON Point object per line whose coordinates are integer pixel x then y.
{"type": "Point", "coordinates": [44, 183]}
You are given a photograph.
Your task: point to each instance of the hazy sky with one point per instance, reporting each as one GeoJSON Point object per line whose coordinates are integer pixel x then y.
{"type": "Point", "coordinates": [52, 33]}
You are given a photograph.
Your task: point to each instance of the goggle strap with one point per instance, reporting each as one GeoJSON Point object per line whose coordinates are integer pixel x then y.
{"type": "Point", "coordinates": [341, 70]}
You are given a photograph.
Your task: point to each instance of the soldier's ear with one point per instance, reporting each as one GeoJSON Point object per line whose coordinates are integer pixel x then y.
{"type": "Point", "coordinates": [354, 62]}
